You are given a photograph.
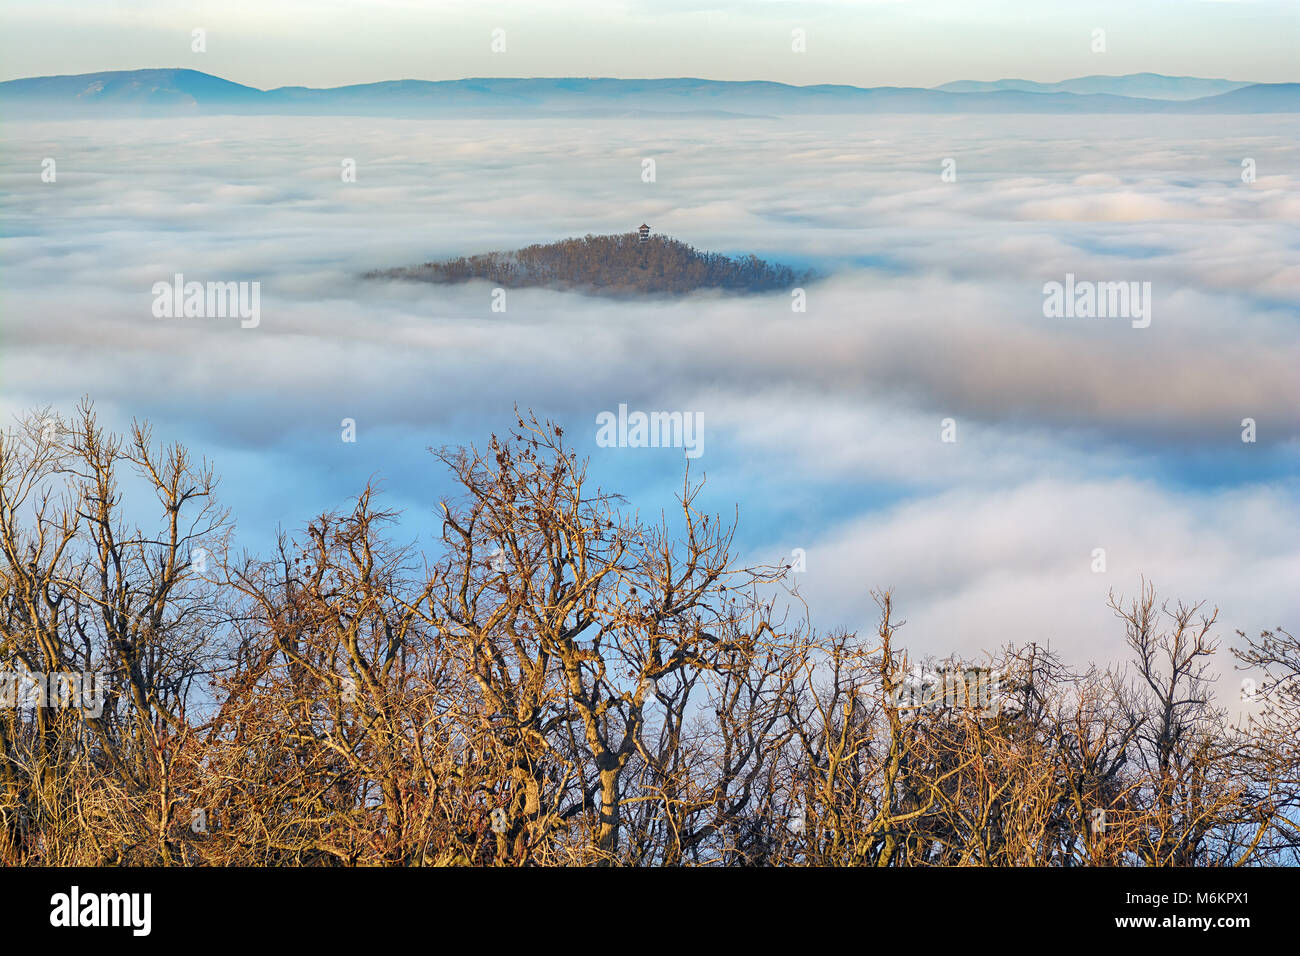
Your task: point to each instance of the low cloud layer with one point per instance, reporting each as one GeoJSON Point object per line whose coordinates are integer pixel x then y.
{"type": "Point", "coordinates": [825, 425]}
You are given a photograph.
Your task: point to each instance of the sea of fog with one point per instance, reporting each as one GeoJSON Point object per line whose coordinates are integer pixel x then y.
{"type": "Point", "coordinates": [824, 428]}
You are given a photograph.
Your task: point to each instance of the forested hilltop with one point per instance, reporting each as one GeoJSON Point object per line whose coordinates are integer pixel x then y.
{"type": "Point", "coordinates": [617, 264]}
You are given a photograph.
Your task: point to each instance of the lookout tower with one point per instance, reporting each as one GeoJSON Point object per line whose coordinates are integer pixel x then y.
{"type": "Point", "coordinates": [644, 230]}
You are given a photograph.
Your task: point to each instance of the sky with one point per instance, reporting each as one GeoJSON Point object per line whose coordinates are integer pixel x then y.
{"type": "Point", "coordinates": [858, 42]}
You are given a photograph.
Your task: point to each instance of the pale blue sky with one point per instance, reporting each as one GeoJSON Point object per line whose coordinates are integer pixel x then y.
{"type": "Point", "coordinates": [268, 43]}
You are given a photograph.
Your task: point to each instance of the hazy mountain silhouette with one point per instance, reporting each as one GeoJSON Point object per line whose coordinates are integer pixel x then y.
{"type": "Point", "coordinates": [168, 88]}
{"type": "Point", "coordinates": [180, 91]}
{"type": "Point", "coordinates": [1259, 98]}
{"type": "Point", "coordinates": [1146, 85]}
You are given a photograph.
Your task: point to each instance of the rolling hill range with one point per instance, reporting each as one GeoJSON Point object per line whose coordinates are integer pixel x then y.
{"type": "Point", "coordinates": [178, 91]}
{"type": "Point", "coordinates": [1146, 85]}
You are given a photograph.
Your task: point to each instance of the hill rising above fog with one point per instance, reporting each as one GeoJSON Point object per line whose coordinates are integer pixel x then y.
{"type": "Point", "coordinates": [608, 265]}
{"type": "Point", "coordinates": [169, 92]}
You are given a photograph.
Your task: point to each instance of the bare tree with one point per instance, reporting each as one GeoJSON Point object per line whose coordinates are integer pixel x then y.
{"type": "Point", "coordinates": [88, 593]}
{"type": "Point", "coordinates": [563, 682]}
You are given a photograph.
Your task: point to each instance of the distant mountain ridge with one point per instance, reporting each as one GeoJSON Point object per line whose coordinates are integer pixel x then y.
{"type": "Point", "coordinates": [179, 91]}
{"type": "Point", "coordinates": [1154, 86]}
